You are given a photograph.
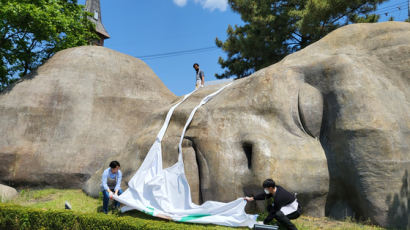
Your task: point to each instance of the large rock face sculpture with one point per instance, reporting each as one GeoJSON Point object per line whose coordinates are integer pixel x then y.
{"type": "Point", "coordinates": [60, 125]}
{"type": "Point", "coordinates": [329, 122]}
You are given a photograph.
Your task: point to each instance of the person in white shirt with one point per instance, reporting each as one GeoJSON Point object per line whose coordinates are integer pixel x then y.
{"type": "Point", "coordinates": [111, 184]}
{"type": "Point", "coordinates": [200, 76]}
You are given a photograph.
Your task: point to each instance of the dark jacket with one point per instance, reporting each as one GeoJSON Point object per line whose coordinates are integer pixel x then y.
{"type": "Point", "coordinates": [280, 199]}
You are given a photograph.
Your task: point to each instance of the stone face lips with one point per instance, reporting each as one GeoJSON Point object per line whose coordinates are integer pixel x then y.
{"type": "Point", "coordinates": [329, 122]}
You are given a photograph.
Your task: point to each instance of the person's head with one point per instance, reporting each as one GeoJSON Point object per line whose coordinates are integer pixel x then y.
{"type": "Point", "coordinates": [196, 66]}
{"type": "Point", "coordinates": [269, 186]}
{"type": "Point", "coordinates": [115, 166]}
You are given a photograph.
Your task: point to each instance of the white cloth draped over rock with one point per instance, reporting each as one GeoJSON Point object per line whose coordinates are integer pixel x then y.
{"type": "Point", "coordinates": [165, 193]}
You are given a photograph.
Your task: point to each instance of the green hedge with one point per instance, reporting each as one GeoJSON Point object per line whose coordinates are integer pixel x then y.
{"type": "Point", "coordinates": [18, 217]}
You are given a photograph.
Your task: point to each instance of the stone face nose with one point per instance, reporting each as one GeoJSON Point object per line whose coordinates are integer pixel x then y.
{"type": "Point", "coordinates": [310, 107]}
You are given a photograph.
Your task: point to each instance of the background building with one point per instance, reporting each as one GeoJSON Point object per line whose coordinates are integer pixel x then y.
{"type": "Point", "coordinates": [93, 6]}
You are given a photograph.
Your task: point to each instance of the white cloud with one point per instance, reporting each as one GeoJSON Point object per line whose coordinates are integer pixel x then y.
{"type": "Point", "coordinates": [214, 4]}
{"type": "Point", "coordinates": [180, 3]}
{"type": "Point", "coordinates": [206, 4]}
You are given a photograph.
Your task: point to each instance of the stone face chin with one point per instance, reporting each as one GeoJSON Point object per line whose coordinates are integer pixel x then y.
{"type": "Point", "coordinates": [329, 122]}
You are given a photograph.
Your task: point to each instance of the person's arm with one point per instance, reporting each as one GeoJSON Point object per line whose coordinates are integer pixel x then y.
{"type": "Point", "coordinates": [202, 78]}
{"type": "Point", "coordinates": [118, 185]}
{"type": "Point", "coordinates": [260, 196]}
{"type": "Point", "coordinates": [104, 181]}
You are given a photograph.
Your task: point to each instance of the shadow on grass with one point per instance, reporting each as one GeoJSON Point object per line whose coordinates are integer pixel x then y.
{"type": "Point", "coordinates": [133, 213]}
{"type": "Point", "coordinates": [140, 215]}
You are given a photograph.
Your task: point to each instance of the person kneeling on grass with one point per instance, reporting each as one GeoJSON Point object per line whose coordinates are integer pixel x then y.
{"type": "Point", "coordinates": [110, 184]}
{"type": "Point", "coordinates": [284, 206]}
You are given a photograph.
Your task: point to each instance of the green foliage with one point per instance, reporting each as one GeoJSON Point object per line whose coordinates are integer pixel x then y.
{"type": "Point", "coordinates": [31, 31]}
{"type": "Point", "coordinates": [274, 29]}
{"type": "Point", "coordinates": [17, 217]}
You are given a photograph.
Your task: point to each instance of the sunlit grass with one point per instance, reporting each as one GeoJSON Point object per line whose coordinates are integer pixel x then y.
{"type": "Point", "coordinates": [308, 223]}
{"type": "Point", "coordinates": [54, 199]}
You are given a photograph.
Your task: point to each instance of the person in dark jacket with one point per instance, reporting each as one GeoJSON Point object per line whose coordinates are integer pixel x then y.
{"type": "Point", "coordinates": [282, 205]}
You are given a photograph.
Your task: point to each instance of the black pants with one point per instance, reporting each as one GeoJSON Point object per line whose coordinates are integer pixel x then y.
{"type": "Point", "coordinates": [282, 218]}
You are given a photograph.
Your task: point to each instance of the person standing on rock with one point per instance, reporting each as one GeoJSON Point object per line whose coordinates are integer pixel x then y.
{"type": "Point", "coordinates": [110, 184]}
{"type": "Point", "coordinates": [200, 76]}
{"type": "Point", "coordinates": [281, 204]}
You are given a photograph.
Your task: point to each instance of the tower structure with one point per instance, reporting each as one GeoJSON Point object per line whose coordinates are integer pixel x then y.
{"type": "Point", "coordinates": [94, 7]}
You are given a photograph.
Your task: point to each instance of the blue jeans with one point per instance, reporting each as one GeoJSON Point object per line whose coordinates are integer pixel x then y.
{"type": "Point", "coordinates": [106, 199]}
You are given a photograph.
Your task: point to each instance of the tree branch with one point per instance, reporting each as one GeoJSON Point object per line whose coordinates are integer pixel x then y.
{"type": "Point", "coordinates": [12, 35]}
{"type": "Point", "coordinates": [27, 61]}
{"type": "Point", "coordinates": [347, 13]}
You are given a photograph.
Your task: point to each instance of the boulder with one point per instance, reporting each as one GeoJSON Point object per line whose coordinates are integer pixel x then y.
{"type": "Point", "coordinates": [7, 193]}
{"type": "Point", "coordinates": [61, 124]}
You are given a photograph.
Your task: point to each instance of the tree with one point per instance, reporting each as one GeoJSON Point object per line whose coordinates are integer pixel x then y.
{"type": "Point", "coordinates": [276, 28]}
{"type": "Point", "coordinates": [31, 31]}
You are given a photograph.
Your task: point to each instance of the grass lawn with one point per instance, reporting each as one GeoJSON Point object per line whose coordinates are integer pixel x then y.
{"type": "Point", "coordinates": [54, 199]}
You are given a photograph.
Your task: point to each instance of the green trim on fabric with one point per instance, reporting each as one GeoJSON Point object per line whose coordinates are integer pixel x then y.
{"type": "Point", "coordinates": [193, 217]}
{"type": "Point", "coordinates": [150, 213]}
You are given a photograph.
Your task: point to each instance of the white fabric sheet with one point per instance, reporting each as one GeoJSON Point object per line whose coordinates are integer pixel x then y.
{"type": "Point", "coordinates": [165, 193]}
{"type": "Point", "coordinates": [290, 208]}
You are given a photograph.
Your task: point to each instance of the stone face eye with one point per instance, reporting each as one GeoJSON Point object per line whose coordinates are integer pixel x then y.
{"type": "Point", "coordinates": [247, 149]}
{"type": "Point", "coordinates": [310, 107]}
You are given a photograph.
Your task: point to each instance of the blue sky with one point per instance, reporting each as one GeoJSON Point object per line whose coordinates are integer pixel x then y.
{"type": "Point", "coordinates": [145, 27]}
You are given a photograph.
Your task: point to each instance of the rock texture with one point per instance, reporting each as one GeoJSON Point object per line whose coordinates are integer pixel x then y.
{"type": "Point", "coordinates": [329, 122]}
{"type": "Point", "coordinates": [58, 126]}
{"type": "Point", "coordinates": [7, 193]}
